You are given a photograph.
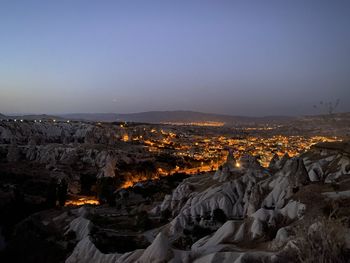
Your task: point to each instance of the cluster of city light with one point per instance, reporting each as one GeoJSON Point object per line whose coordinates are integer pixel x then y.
{"type": "Point", "coordinates": [35, 121]}
{"type": "Point", "coordinates": [204, 124]}
{"type": "Point", "coordinates": [125, 137]}
{"type": "Point", "coordinates": [208, 152]}
{"type": "Point", "coordinates": [82, 200]}
{"type": "Point", "coordinates": [132, 180]}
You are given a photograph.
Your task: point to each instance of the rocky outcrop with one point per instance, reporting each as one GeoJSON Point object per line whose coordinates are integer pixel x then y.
{"type": "Point", "coordinates": [159, 251]}
{"type": "Point", "coordinates": [244, 191]}
{"type": "Point", "coordinates": [86, 251]}
{"type": "Point", "coordinates": [60, 132]}
{"type": "Point", "coordinates": [287, 181]}
{"type": "Point", "coordinates": [14, 153]}
{"type": "Point", "coordinates": [327, 161]}
{"type": "Point", "coordinates": [74, 146]}
{"type": "Point", "coordinates": [274, 163]}
{"type": "Point", "coordinates": [262, 207]}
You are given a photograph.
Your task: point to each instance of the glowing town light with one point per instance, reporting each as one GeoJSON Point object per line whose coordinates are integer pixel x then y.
{"type": "Point", "coordinates": [82, 201]}
{"type": "Point", "coordinates": [238, 164]}
{"type": "Point", "coordinates": [125, 138]}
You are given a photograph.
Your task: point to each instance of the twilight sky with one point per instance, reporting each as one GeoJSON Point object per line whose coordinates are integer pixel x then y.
{"type": "Point", "coordinates": [234, 57]}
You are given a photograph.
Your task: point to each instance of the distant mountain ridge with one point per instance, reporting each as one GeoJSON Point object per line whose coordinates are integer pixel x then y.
{"type": "Point", "coordinates": [183, 117]}
{"type": "Point", "coordinates": [176, 117]}
{"type": "Point", "coordinates": [32, 117]}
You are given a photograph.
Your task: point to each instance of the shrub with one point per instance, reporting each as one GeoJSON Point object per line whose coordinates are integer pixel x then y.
{"type": "Point", "coordinates": [165, 215]}
{"type": "Point", "coordinates": [198, 232]}
{"type": "Point", "coordinates": [105, 190]}
{"type": "Point", "coordinates": [323, 242]}
{"type": "Point", "coordinates": [142, 221]}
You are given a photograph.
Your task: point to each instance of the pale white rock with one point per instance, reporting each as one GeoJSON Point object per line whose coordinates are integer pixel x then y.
{"type": "Point", "coordinates": [338, 167]}
{"type": "Point", "coordinates": [81, 226]}
{"type": "Point", "coordinates": [130, 257]}
{"type": "Point", "coordinates": [292, 176]}
{"type": "Point", "coordinates": [159, 251]}
{"type": "Point", "coordinates": [86, 252]}
{"type": "Point", "coordinates": [223, 234]}
{"type": "Point", "coordinates": [240, 234]}
{"type": "Point", "coordinates": [282, 237]}
{"type": "Point", "coordinates": [260, 217]}
{"type": "Point", "coordinates": [315, 172]}
{"type": "Point", "coordinates": [281, 191]}
{"type": "Point", "coordinates": [220, 257]}
{"type": "Point", "coordinates": [274, 163]}
{"type": "Point", "coordinates": [293, 210]}
{"type": "Point", "coordinates": [228, 197]}
{"type": "Point", "coordinates": [199, 196]}
{"type": "Point", "coordinates": [237, 257]}
{"type": "Point", "coordinates": [109, 169]}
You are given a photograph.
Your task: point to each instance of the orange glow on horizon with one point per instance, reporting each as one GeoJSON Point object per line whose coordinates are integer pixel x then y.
{"type": "Point", "coordinates": [82, 201]}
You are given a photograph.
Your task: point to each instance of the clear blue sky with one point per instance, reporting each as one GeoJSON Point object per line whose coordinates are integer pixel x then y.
{"type": "Point", "coordinates": [233, 57]}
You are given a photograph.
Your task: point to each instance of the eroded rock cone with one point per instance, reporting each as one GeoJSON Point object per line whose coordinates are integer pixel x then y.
{"type": "Point", "coordinates": [159, 251]}
{"type": "Point", "coordinates": [283, 161]}
{"type": "Point", "coordinates": [298, 173]}
{"type": "Point", "coordinates": [274, 163]}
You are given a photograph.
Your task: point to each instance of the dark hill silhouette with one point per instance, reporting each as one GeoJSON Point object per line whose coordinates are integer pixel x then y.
{"type": "Point", "coordinates": [176, 116]}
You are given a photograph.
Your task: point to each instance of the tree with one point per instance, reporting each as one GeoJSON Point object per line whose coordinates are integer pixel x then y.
{"type": "Point", "coordinates": [62, 192]}
{"type": "Point", "coordinates": [105, 190]}
{"type": "Point", "coordinates": [198, 232]}
{"type": "Point", "coordinates": [165, 215]}
{"type": "Point", "coordinates": [51, 197]}
{"type": "Point", "coordinates": [147, 168]}
{"type": "Point", "coordinates": [142, 221]}
{"type": "Point", "coordinates": [219, 215]}
{"type": "Point", "coordinates": [328, 106]}
{"type": "Point", "coordinates": [86, 182]}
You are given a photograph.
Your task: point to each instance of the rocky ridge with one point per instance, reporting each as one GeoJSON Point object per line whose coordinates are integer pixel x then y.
{"type": "Point", "coordinates": [263, 211]}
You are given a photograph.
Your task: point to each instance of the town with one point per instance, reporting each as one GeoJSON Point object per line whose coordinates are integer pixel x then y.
{"type": "Point", "coordinates": [206, 148]}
